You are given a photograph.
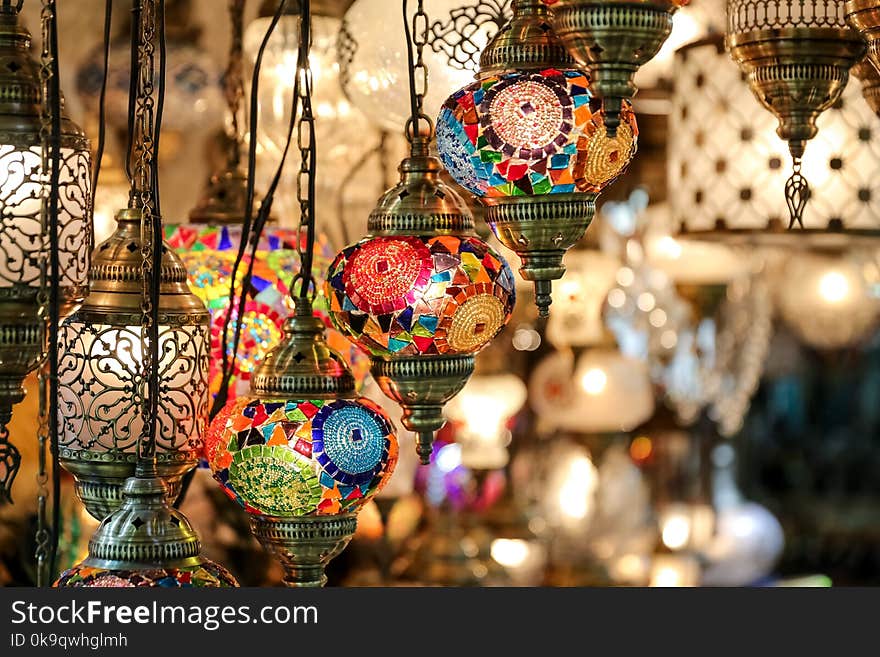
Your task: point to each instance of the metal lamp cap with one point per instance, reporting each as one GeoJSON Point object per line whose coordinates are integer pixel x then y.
{"type": "Point", "coordinates": [303, 366]}
{"type": "Point", "coordinates": [224, 202]}
{"type": "Point", "coordinates": [421, 203]}
{"type": "Point", "coordinates": [528, 41]}
{"type": "Point", "coordinates": [117, 274]}
{"type": "Point", "coordinates": [145, 532]}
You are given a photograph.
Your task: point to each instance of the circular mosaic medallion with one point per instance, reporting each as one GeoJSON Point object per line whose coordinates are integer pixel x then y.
{"type": "Point", "coordinates": [350, 441]}
{"type": "Point", "coordinates": [601, 158]}
{"type": "Point", "coordinates": [273, 481]}
{"type": "Point", "coordinates": [457, 151]}
{"type": "Point", "coordinates": [527, 114]}
{"type": "Point", "coordinates": [260, 332]}
{"type": "Point", "coordinates": [383, 274]}
{"type": "Point", "coordinates": [476, 322]}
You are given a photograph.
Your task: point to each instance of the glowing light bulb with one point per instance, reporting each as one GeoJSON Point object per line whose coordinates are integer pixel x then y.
{"type": "Point", "coordinates": [510, 552]}
{"type": "Point", "coordinates": [593, 381]}
{"type": "Point", "coordinates": [833, 287]}
{"type": "Point", "coordinates": [676, 531]}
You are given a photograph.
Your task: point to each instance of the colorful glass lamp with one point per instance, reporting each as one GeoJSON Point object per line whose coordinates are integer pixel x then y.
{"type": "Point", "coordinates": [421, 294]}
{"type": "Point", "coordinates": [302, 454]}
{"type": "Point", "coordinates": [525, 139]}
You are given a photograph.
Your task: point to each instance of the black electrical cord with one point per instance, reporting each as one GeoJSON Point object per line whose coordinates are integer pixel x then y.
{"type": "Point", "coordinates": [54, 99]}
{"type": "Point", "coordinates": [132, 90]}
{"type": "Point", "coordinates": [102, 114]}
{"type": "Point", "coordinates": [246, 230]}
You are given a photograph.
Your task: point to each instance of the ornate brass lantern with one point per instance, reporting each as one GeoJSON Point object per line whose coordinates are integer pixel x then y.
{"type": "Point", "coordinates": [614, 38]}
{"type": "Point", "coordinates": [797, 56]}
{"type": "Point", "coordinates": [22, 184]}
{"type": "Point", "coordinates": [99, 363]}
{"type": "Point", "coordinates": [864, 15]}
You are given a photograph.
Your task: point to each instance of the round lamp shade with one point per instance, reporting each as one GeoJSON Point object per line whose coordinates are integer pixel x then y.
{"type": "Point", "coordinates": [412, 295]}
{"type": "Point", "coordinates": [209, 253]}
{"type": "Point", "coordinates": [527, 133]}
{"type": "Point", "coordinates": [727, 166]}
{"type": "Point", "coordinates": [830, 301]}
{"type": "Point", "coordinates": [286, 458]}
{"type": "Point", "coordinates": [204, 575]}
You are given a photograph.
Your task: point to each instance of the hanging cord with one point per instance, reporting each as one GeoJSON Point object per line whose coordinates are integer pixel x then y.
{"type": "Point", "coordinates": [416, 39]}
{"type": "Point", "coordinates": [246, 230]}
{"type": "Point", "coordinates": [102, 119]}
{"type": "Point", "coordinates": [135, 39]}
{"type": "Point", "coordinates": [305, 182]}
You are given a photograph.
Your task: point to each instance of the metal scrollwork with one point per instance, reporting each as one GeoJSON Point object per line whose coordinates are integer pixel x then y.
{"type": "Point", "coordinates": [466, 31]}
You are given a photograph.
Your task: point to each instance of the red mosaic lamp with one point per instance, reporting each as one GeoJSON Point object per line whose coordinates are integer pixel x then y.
{"type": "Point", "coordinates": [529, 139]}
{"type": "Point", "coordinates": [421, 294]}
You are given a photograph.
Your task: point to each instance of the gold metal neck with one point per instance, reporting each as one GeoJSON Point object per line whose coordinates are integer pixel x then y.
{"type": "Point", "coordinates": [527, 42]}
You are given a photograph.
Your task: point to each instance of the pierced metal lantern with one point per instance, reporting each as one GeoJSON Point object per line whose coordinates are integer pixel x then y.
{"type": "Point", "coordinates": [145, 543]}
{"type": "Point", "coordinates": [302, 454]}
{"type": "Point", "coordinates": [797, 56]}
{"type": "Point", "coordinates": [99, 373]}
{"type": "Point", "coordinates": [614, 38]}
{"type": "Point", "coordinates": [864, 16]}
{"type": "Point", "coordinates": [869, 76]}
{"type": "Point", "coordinates": [525, 139]}
{"type": "Point", "coordinates": [22, 186]}
{"type": "Point", "coordinates": [421, 294]}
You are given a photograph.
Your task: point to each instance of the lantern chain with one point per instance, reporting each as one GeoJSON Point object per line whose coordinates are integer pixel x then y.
{"type": "Point", "coordinates": [417, 32]}
{"type": "Point", "coordinates": [44, 535]}
{"type": "Point", "coordinates": [143, 197]}
{"type": "Point", "coordinates": [234, 80]}
{"type": "Point", "coordinates": [305, 182]}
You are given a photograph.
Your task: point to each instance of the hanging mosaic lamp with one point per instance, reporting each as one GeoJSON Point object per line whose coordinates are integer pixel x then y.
{"type": "Point", "coordinates": [99, 363]}
{"type": "Point", "coordinates": [422, 294]}
{"type": "Point", "coordinates": [302, 453]}
{"type": "Point", "coordinates": [22, 184]}
{"type": "Point", "coordinates": [864, 16]}
{"type": "Point", "coordinates": [145, 543]}
{"type": "Point", "coordinates": [614, 38]}
{"type": "Point", "coordinates": [525, 139]}
{"type": "Point", "coordinates": [797, 56]}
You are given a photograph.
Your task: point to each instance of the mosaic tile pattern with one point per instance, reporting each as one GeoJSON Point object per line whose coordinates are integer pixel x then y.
{"type": "Point", "coordinates": [406, 296]}
{"type": "Point", "coordinates": [297, 458]}
{"type": "Point", "coordinates": [531, 133]}
{"type": "Point", "coordinates": [209, 574]}
{"type": "Point", "coordinates": [209, 254]}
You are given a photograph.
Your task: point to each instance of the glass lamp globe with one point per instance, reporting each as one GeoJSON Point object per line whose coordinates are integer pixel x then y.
{"type": "Point", "coordinates": [373, 61]}
{"type": "Point", "coordinates": [482, 410]}
{"type": "Point", "coordinates": [830, 301]}
{"type": "Point", "coordinates": [526, 138]}
{"type": "Point", "coordinates": [100, 361]}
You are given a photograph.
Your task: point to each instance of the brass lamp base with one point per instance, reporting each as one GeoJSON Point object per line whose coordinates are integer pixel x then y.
{"type": "Point", "coordinates": [797, 73]}
{"type": "Point", "coordinates": [304, 546]}
{"type": "Point", "coordinates": [540, 229]}
{"type": "Point", "coordinates": [422, 386]}
{"type": "Point", "coordinates": [864, 15]}
{"type": "Point", "coordinates": [613, 38]}
{"type": "Point", "coordinates": [99, 477]}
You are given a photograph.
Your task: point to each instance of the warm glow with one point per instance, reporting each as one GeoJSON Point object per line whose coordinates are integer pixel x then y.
{"type": "Point", "coordinates": [676, 531]}
{"type": "Point", "coordinates": [641, 448]}
{"type": "Point", "coordinates": [669, 247]}
{"type": "Point", "coordinates": [833, 287]}
{"type": "Point", "coordinates": [593, 381]}
{"type": "Point", "coordinates": [575, 494]}
{"type": "Point", "coordinates": [510, 552]}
